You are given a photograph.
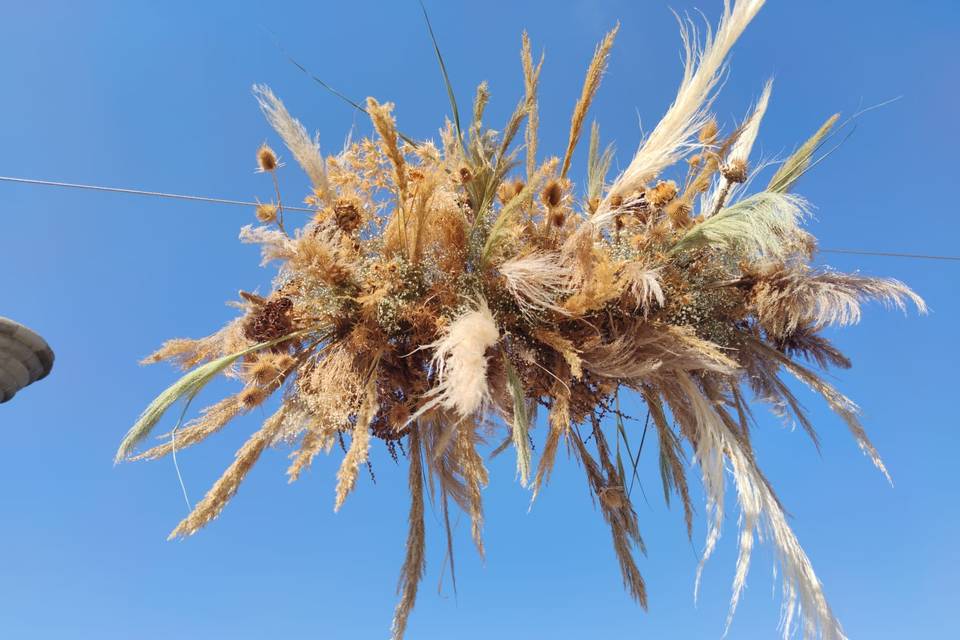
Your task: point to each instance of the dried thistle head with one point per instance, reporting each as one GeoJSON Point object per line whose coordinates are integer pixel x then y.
{"type": "Point", "coordinates": [266, 213]}
{"type": "Point", "coordinates": [509, 190]}
{"type": "Point", "coordinates": [662, 193]}
{"type": "Point", "coordinates": [552, 194]}
{"type": "Point", "coordinates": [347, 214]}
{"type": "Point", "coordinates": [735, 171]}
{"type": "Point", "coordinates": [266, 159]}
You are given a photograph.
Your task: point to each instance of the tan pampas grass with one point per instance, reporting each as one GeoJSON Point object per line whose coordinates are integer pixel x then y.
{"type": "Point", "coordinates": [359, 449]}
{"type": "Point", "coordinates": [305, 150]}
{"type": "Point", "coordinates": [225, 488]}
{"type": "Point", "coordinates": [441, 293]}
{"type": "Point", "coordinates": [416, 560]}
{"type": "Point", "coordinates": [590, 85]}
{"type": "Point", "coordinates": [386, 126]}
{"type": "Point", "coordinates": [531, 81]}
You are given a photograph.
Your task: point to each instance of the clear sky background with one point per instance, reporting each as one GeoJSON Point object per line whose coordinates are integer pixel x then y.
{"type": "Point", "coordinates": [157, 96]}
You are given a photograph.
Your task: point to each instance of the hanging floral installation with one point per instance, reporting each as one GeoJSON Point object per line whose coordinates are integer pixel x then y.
{"type": "Point", "coordinates": [443, 293]}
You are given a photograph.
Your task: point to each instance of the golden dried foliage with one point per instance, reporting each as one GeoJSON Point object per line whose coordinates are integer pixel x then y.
{"type": "Point", "coordinates": [438, 296]}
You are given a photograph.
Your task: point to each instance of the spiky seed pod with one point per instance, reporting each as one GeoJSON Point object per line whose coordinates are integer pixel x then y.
{"type": "Point", "coordinates": [465, 175]}
{"type": "Point", "coordinates": [616, 201]}
{"type": "Point", "coordinates": [266, 213]}
{"type": "Point", "coordinates": [552, 194]}
{"type": "Point", "coordinates": [592, 205]}
{"type": "Point", "coordinates": [679, 211]}
{"type": "Point", "coordinates": [708, 134]}
{"type": "Point", "coordinates": [662, 193]}
{"type": "Point", "coordinates": [266, 159]}
{"type": "Point", "coordinates": [557, 218]}
{"type": "Point", "coordinates": [509, 190]}
{"type": "Point", "coordinates": [253, 396]}
{"type": "Point", "coordinates": [735, 171]}
{"type": "Point", "coordinates": [347, 215]}
{"type": "Point", "coordinates": [266, 368]}
{"type": "Point", "coordinates": [271, 321]}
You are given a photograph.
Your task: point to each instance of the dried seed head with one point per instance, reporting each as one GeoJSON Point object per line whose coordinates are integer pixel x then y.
{"type": "Point", "coordinates": [347, 215]}
{"type": "Point", "coordinates": [267, 368]}
{"type": "Point", "coordinates": [552, 194]}
{"type": "Point", "coordinates": [558, 217]}
{"type": "Point", "coordinates": [709, 132]}
{"type": "Point", "coordinates": [266, 158]}
{"type": "Point", "coordinates": [592, 204]}
{"type": "Point", "coordinates": [612, 497]}
{"type": "Point", "coordinates": [465, 175]}
{"type": "Point", "coordinates": [662, 193]}
{"type": "Point", "coordinates": [270, 321]}
{"type": "Point", "coordinates": [266, 213]}
{"type": "Point", "coordinates": [251, 396]}
{"type": "Point", "coordinates": [679, 212]}
{"type": "Point", "coordinates": [509, 190]}
{"type": "Point", "coordinates": [735, 171]}
{"type": "Point", "coordinates": [616, 200]}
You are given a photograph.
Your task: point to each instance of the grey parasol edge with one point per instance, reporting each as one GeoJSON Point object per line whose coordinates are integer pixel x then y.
{"type": "Point", "coordinates": [25, 357]}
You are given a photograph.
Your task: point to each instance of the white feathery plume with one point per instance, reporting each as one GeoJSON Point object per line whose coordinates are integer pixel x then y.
{"type": "Point", "coordinates": [671, 138]}
{"type": "Point", "coordinates": [460, 362]}
{"type": "Point", "coordinates": [305, 149]}
{"type": "Point", "coordinates": [760, 512]}
{"type": "Point", "coordinates": [644, 285]}
{"type": "Point", "coordinates": [536, 281]}
{"type": "Point", "coordinates": [739, 153]}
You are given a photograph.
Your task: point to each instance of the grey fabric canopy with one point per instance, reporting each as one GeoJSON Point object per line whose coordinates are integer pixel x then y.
{"type": "Point", "coordinates": [25, 358]}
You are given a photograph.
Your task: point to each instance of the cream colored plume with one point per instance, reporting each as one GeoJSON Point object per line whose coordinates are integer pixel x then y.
{"type": "Point", "coordinates": [460, 363]}
{"type": "Point", "coordinates": [644, 286]}
{"type": "Point", "coordinates": [536, 281]}
{"type": "Point", "coordinates": [305, 149]}
{"type": "Point", "coordinates": [760, 512]}
{"type": "Point", "coordinates": [723, 190]}
{"type": "Point", "coordinates": [673, 136]}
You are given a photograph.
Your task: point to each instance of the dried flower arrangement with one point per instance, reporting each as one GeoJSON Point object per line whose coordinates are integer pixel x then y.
{"type": "Point", "coordinates": [441, 294]}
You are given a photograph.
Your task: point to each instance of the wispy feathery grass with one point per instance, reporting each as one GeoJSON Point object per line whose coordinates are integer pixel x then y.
{"type": "Point", "coordinates": [305, 149]}
{"type": "Point", "coordinates": [226, 487]}
{"type": "Point", "coordinates": [416, 559]}
{"type": "Point", "coordinates": [670, 140]}
{"type": "Point", "coordinates": [537, 282]}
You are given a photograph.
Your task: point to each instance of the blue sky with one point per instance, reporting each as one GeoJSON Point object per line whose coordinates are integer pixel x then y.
{"type": "Point", "coordinates": [157, 96]}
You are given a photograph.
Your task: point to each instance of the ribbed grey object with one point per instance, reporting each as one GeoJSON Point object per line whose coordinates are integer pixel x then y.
{"type": "Point", "coordinates": [25, 358]}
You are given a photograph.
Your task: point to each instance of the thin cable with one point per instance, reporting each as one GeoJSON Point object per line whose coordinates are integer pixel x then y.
{"type": "Point", "coordinates": [179, 196]}
{"type": "Point", "coordinates": [138, 192]}
{"type": "Point", "coordinates": [890, 254]}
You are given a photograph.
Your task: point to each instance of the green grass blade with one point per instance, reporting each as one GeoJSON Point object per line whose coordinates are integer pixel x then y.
{"type": "Point", "coordinates": [186, 387]}
{"type": "Point", "coordinates": [446, 78]}
{"type": "Point", "coordinates": [521, 422]}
